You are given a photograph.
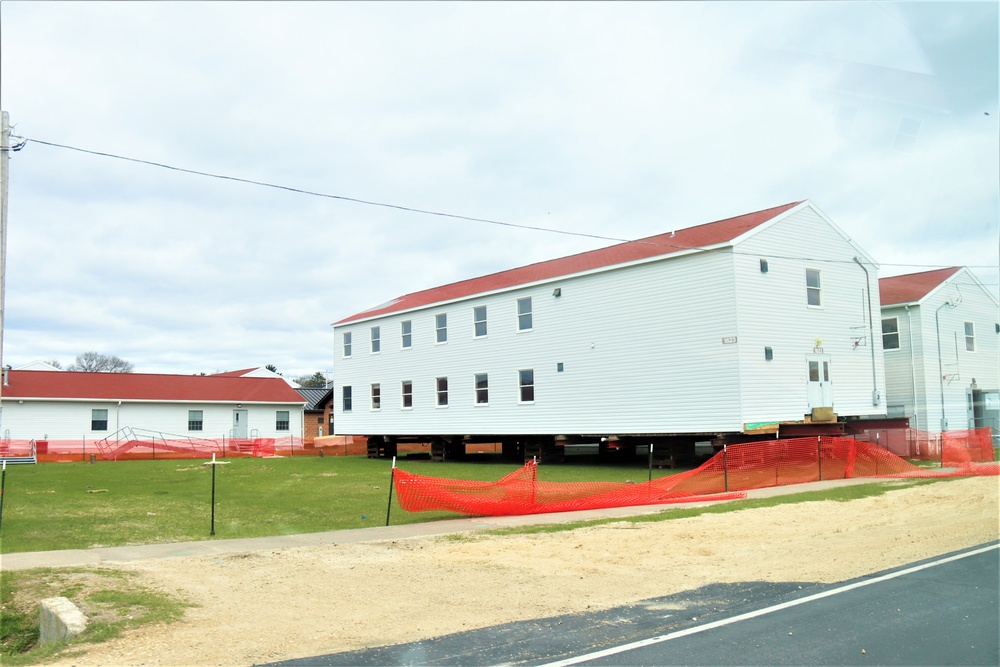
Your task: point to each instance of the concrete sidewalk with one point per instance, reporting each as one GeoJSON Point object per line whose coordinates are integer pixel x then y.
{"type": "Point", "coordinates": [100, 555]}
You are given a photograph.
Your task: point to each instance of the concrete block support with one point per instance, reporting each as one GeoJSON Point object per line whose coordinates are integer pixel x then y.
{"type": "Point", "coordinates": [60, 620]}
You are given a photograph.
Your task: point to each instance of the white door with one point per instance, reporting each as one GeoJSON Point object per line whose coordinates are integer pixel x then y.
{"type": "Point", "coordinates": [239, 423]}
{"type": "Point", "coordinates": [820, 387]}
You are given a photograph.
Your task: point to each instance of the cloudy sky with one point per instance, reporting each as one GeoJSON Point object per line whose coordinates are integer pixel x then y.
{"type": "Point", "coordinates": [614, 120]}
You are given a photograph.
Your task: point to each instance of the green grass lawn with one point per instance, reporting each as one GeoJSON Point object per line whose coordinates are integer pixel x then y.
{"type": "Point", "coordinates": [81, 505]}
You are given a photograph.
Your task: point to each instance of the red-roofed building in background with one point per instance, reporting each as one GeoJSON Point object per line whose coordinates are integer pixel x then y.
{"type": "Point", "coordinates": [942, 357]}
{"type": "Point", "coordinates": [713, 332]}
{"type": "Point", "coordinates": [75, 407]}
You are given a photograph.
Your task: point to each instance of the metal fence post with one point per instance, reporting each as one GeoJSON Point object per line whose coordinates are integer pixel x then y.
{"type": "Point", "coordinates": [725, 468]}
{"type": "Point", "coordinates": [819, 456]}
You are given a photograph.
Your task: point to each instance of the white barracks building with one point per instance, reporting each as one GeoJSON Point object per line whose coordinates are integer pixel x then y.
{"type": "Point", "coordinates": [749, 325]}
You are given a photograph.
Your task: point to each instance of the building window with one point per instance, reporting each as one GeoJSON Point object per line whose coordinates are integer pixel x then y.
{"type": "Point", "coordinates": [406, 333]}
{"type": "Point", "coordinates": [407, 394]}
{"type": "Point", "coordinates": [281, 420]}
{"type": "Point", "coordinates": [524, 314]}
{"type": "Point", "coordinates": [347, 344]}
{"type": "Point", "coordinates": [526, 383]}
{"type": "Point", "coordinates": [970, 336]}
{"type": "Point", "coordinates": [376, 340]}
{"type": "Point", "coordinates": [347, 400]}
{"type": "Point", "coordinates": [442, 392]}
{"type": "Point", "coordinates": [196, 420]}
{"type": "Point", "coordinates": [376, 396]}
{"type": "Point", "coordinates": [890, 333]}
{"type": "Point", "coordinates": [98, 420]}
{"type": "Point", "coordinates": [479, 319]}
{"type": "Point", "coordinates": [441, 327]}
{"type": "Point", "coordinates": [482, 389]}
{"type": "Point", "coordinates": [813, 287]}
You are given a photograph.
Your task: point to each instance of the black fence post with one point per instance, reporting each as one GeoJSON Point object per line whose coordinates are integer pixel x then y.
{"type": "Point", "coordinates": [725, 468]}
{"type": "Point", "coordinates": [392, 477]}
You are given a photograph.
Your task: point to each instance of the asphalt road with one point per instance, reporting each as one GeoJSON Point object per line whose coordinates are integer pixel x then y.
{"type": "Point", "coordinates": [943, 611]}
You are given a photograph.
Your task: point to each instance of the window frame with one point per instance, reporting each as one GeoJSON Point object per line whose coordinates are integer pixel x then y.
{"type": "Point", "coordinates": [439, 392]}
{"type": "Point", "coordinates": [376, 340]}
{"type": "Point", "coordinates": [525, 316]}
{"type": "Point", "coordinates": [816, 289]}
{"type": "Point", "coordinates": [526, 386]}
{"type": "Point", "coordinates": [970, 338]}
{"type": "Point", "coordinates": [348, 344]}
{"type": "Point", "coordinates": [375, 405]}
{"type": "Point", "coordinates": [95, 420]}
{"type": "Point", "coordinates": [477, 330]}
{"type": "Point", "coordinates": [282, 424]}
{"type": "Point", "coordinates": [346, 398]}
{"type": "Point", "coordinates": [406, 334]}
{"type": "Point", "coordinates": [481, 388]}
{"type": "Point", "coordinates": [440, 328]}
{"type": "Point", "coordinates": [406, 394]}
{"type": "Point", "coordinates": [196, 424]}
{"type": "Point", "coordinates": [886, 335]}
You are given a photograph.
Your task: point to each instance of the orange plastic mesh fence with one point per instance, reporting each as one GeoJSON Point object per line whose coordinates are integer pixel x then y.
{"type": "Point", "coordinates": [951, 448]}
{"type": "Point", "coordinates": [727, 475]}
{"type": "Point", "coordinates": [964, 447]}
{"type": "Point", "coordinates": [520, 492]}
{"type": "Point", "coordinates": [142, 447]}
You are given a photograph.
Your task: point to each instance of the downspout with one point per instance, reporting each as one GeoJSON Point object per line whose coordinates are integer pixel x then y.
{"type": "Point", "coordinates": [876, 399]}
{"type": "Point", "coordinates": [913, 369]}
{"type": "Point", "coordinates": [937, 330]}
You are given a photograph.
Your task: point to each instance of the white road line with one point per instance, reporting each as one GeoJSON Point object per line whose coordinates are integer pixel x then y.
{"type": "Point", "coordinates": [761, 612]}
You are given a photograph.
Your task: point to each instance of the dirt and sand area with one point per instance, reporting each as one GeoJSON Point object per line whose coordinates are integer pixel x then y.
{"type": "Point", "coordinates": [272, 605]}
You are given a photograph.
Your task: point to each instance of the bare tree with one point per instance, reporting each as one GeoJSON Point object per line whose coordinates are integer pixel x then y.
{"type": "Point", "coordinates": [95, 362]}
{"type": "Point", "coordinates": [54, 363]}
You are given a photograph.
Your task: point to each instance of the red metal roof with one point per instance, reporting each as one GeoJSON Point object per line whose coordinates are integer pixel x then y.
{"type": "Point", "coordinates": [912, 287]}
{"type": "Point", "coordinates": [147, 387]}
{"type": "Point", "coordinates": [691, 238]}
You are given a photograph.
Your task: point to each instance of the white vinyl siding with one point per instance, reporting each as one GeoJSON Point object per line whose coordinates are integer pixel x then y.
{"type": "Point", "coordinates": [922, 380]}
{"type": "Point", "coordinates": [673, 345]}
{"type": "Point", "coordinates": [776, 390]}
{"type": "Point", "coordinates": [72, 419]}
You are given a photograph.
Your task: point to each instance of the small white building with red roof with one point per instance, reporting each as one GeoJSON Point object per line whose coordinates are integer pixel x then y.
{"type": "Point", "coordinates": [56, 405]}
{"type": "Point", "coordinates": [941, 340]}
{"type": "Point", "coordinates": [699, 333]}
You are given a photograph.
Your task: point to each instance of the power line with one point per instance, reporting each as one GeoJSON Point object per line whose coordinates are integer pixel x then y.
{"type": "Point", "coordinates": [454, 216]}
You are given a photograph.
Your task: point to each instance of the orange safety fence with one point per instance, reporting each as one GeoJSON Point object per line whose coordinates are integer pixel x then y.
{"type": "Point", "coordinates": [139, 445]}
{"type": "Point", "coordinates": [727, 475]}
{"type": "Point", "coordinates": [950, 448]}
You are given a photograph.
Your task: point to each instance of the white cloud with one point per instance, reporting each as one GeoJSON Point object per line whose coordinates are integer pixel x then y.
{"type": "Point", "coordinates": [614, 119]}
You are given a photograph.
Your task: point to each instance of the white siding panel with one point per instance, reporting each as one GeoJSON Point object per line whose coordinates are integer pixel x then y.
{"type": "Point", "coordinates": [958, 364]}
{"type": "Point", "coordinates": [71, 420]}
{"type": "Point", "coordinates": [641, 350]}
{"type": "Point", "coordinates": [773, 312]}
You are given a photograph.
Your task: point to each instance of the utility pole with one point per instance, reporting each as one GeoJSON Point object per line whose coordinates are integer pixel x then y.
{"type": "Point", "coordinates": [4, 170]}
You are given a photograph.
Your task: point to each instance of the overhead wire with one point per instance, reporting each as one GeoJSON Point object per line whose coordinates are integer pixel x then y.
{"type": "Point", "coordinates": [454, 216]}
